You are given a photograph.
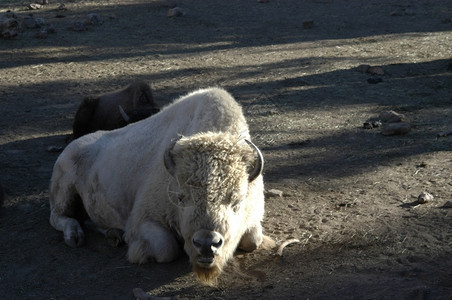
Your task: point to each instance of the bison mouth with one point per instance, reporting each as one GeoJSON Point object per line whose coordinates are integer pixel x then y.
{"type": "Point", "coordinates": [205, 261]}
{"type": "Point", "coordinates": [207, 273]}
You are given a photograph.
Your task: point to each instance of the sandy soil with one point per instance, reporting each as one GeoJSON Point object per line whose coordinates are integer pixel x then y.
{"type": "Point", "coordinates": [349, 194]}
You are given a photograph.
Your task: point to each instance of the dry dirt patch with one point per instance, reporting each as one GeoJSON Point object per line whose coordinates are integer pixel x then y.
{"type": "Point", "coordinates": [349, 194]}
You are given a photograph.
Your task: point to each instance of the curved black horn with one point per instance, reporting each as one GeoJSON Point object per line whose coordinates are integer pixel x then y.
{"type": "Point", "coordinates": [124, 115]}
{"type": "Point", "coordinates": [258, 164]}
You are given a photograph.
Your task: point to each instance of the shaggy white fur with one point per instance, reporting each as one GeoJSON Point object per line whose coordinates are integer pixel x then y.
{"type": "Point", "coordinates": [121, 180]}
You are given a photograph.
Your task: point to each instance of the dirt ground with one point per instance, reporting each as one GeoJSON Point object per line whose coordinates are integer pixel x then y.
{"type": "Point", "coordinates": [349, 194]}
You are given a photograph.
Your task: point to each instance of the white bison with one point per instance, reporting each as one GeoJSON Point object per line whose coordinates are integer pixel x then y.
{"type": "Point", "coordinates": [188, 175]}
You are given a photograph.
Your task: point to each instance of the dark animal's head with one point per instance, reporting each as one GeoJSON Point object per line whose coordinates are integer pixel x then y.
{"type": "Point", "coordinates": [142, 104]}
{"type": "Point", "coordinates": [114, 110]}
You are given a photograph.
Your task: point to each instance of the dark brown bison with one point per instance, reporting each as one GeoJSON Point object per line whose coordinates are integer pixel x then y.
{"type": "Point", "coordinates": [114, 110]}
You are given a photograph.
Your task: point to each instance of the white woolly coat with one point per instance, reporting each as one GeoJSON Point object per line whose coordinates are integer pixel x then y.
{"type": "Point", "coordinates": [121, 177]}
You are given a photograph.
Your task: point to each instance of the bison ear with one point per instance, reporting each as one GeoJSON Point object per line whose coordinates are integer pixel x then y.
{"type": "Point", "coordinates": [168, 159]}
{"type": "Point", "coordinates": [258, 164]}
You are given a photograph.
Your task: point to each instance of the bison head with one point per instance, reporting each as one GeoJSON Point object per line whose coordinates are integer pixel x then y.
{"type": "Point", "coordinates": [213, 175]}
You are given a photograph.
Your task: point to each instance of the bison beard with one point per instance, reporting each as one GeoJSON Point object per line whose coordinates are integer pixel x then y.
{"type": "Point", "coordinates": [207, 276]}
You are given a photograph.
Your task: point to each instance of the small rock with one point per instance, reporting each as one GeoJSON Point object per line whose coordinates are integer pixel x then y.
{"type": "Point", "coordinates": [176, 12]}
{"type": "Point", "coordinates": [376, 71]}
{"type": "Point", "coordinates": [376, 124]}
{"type": "Point", "coordinates": [9, 26]}
{"type": "Point", "coordinates": [30, 22]}
{"type": "Point", "coordinates": [424, 198]}
{"type": "Point", "coordinates": [372, 123]}
{"type": "Point", "coordinates": [362, 68]}
{"type": "Point", "coordinates": [10, 14]}
{"type": "Point", "coordinates": [390, 116]}
{"type": "Point", "coordinates": [34, 6]}
{"type": "Point", "coordinates": [374, 80]}
{"type": "Point", "coordinates": [396, 128]}
{"type": "Point", "coordinates": [274, 193]}
{"type": "Point", "coordinates": [307, 24]}
{"type": "Point", "coordinates": [93, 19]}
{"type": "Point", "coordinates": [44, 2]}
{"type": "Point", "coordinates": [61, 7]}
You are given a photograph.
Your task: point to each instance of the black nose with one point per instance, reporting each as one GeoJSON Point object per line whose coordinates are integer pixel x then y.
{"type": "Point", "coordinates": [207, 243]}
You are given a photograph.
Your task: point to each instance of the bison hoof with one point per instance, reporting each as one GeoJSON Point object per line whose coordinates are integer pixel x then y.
{"type": "Point", "coordinates": [73, 234]}
{"type": "Point", "coordinates": [115, 236]}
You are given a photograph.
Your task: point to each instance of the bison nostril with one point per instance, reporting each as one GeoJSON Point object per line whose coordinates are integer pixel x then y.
{"type": "Point", "coordinates": [207, 242]}
{"type": "Point", "coordinates": [217, 244]}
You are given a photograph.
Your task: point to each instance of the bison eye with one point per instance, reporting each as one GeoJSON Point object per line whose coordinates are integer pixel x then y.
{"type": "Point", "coordinates": [236, 207]}
{"type": "Point", "coordinates": [181, 198]}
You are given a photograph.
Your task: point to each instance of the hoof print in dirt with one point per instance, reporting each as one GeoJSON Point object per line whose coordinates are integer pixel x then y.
{"type": "Point", "coordinates": [395, 128]}
{"type": "Point", "coordinates": [374, 80]}
{"type": "Point", "coordinates": [424, 198]}
{"type": "Point", "coordinates": [307, 24]}
{"type": "Point", "coordinates": [175, 12]}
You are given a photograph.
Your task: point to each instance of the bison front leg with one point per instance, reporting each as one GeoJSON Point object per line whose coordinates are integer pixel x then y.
{"type": "Point", "coordinates": [252, 239]}
{"type": "Point", "coordinates": [73, 233]}
{"type": "Point", "coordinates": [153, 242]}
